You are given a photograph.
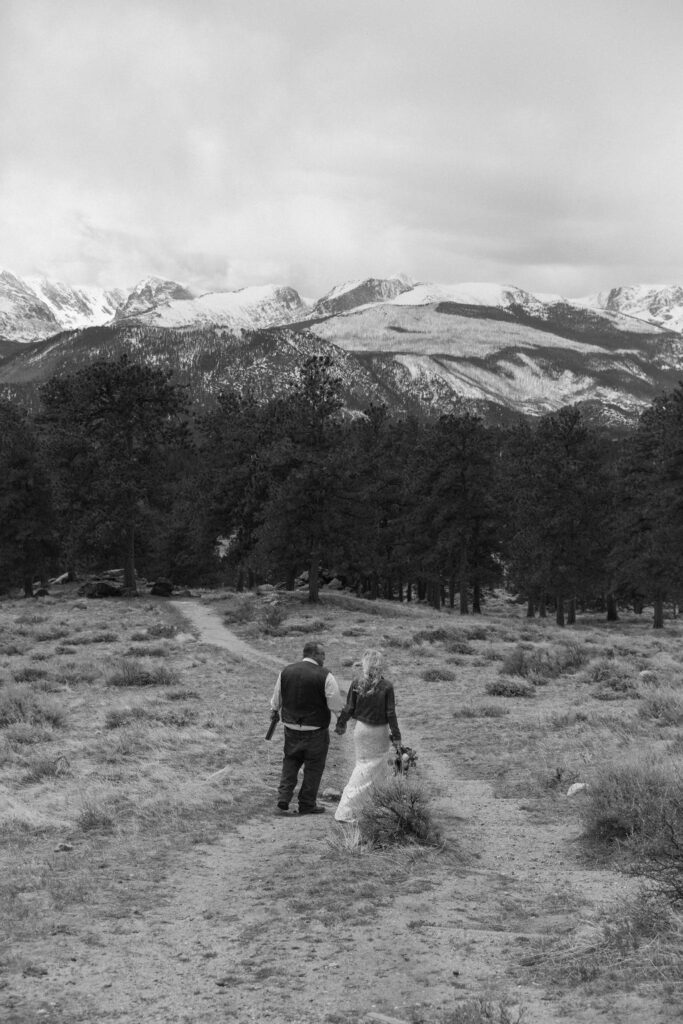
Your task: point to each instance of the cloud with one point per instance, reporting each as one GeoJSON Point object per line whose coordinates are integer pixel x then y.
{"type": "Point", "coordinates": [233, 143]}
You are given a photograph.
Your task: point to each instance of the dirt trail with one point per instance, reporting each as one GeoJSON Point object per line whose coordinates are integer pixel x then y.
{"type": "Point", "coordinates": [211, 630]}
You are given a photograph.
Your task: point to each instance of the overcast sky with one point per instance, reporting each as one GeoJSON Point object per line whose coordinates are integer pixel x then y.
{"type": "Point", "coordinates": [223, 143]}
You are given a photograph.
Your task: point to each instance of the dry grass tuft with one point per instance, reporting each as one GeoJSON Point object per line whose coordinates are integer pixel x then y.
{"type": "Point", "coordinates": [477, 1011]}
{"type": "Point", "coordinates": [663, 705]}
{"type": "Point", "coordinates": [640, 941]}
{"type": "Point", "coordinates": [132, 673]}
{"type": "Point", "coordinates": [19, 704]}
{"type": "Point", "coordinates": [45, 767]}
{"type": "Point", "coordinates": [481, 711]}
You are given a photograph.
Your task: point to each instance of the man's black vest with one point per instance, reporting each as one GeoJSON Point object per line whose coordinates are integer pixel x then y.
{"type": "Point", "coordinates": [302, 686]}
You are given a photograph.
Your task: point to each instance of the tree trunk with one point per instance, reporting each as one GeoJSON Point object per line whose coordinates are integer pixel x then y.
{"type": "Point", "coordinates": [409, 591]}
{"type": "Point", "coordinates": [612, 613]}
{"type": "Point", "coordinates": [462, 582]}
{"type": "Point", "coordinates": [559, 614]}
{"type": "Point", "coordinates": [374, 587]}
{"type": "Point", "coordinates": [571, 612]}
{"type": "Point", "coordinates": [129, 583]}
{"type": "Point", "coordinates": [476, 598]}
{"type": "Point", "coordinates": [530, 611]}
{"type": "Point", "coordinates": [28, 586]}
{"type": "Point", "coordinates": [313, 582]}
{"type": "Point", "coordinates": [400, 591]}
{"type": "Point", "coordinates": [290, 578]}
{"type": "Point", "coordinates": [542, 606]}
{"type": "Point", "coordinates": [451, 591]}
{"type": "Point", "coordinates": [658, 622]}
{"type": "Point", "coordinates": [239, 587]}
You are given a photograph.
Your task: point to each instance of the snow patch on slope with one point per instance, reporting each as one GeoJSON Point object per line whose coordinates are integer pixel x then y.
{"type": "Point", "coordinates": [246, 309]}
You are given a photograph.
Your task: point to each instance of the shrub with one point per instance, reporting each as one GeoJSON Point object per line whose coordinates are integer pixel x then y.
{"type": "Point", "coordinates": [72, 675]}
{"type": "Point", "coordinates": [398, 812]}
{"type": "Point", "coordinates": [664, 705]}
{"type": "Point", "coordinates": [438, 675]}
{"type": "Point", "coordinates": [25, 734]}
{"type": "Point", "coordinates": [149, 651]}
{"type": "Point", "coordinates": [132, 673]}
{"type": "Point", "coordinates": [93, 638]}
{"type": "Point", "coordinates": [541, 663]}
{"type": "Point", "coordinates": [10, 650]}
{"type": "Point", "coordinates": [614, 678]}
{"type": "Point", "coordinates": [509, 688]}
{"type": "Point", "coordinates": [272, 618]}
{"type": "Point", "coordinates": [22, 704]}
{"type": "Point", "coordinates": [640, 803]}
{"type": "Point", "coordinates": [459, 647]}
{"type": "Point", "coordinates": [162, 629]}
{"type": "Point", "coordinates": [28, 674]}
{"type": "Point", "coordinates": [117, 718]}
{"type": "Point", "coordinates": [431, 636]}
{"type": "Point", "coordinates": [477, 633]}
{"type": "Point", "coordinates": [241, 608]}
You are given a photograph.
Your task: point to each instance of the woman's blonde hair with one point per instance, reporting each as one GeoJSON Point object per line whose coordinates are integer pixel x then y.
{"type": "Point", "coordinates": [372, 665]}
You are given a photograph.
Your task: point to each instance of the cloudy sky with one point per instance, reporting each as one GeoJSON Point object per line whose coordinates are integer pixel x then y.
{"type": "Point", "coordinates": [223, 143]}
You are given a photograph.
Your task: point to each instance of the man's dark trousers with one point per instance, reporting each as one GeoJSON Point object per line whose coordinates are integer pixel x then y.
{"type": "Point", "coordinates": [307, 747]}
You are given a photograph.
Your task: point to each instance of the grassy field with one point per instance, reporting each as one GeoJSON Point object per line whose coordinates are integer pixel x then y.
{"type": "Point", "coordinates": [145, 876]}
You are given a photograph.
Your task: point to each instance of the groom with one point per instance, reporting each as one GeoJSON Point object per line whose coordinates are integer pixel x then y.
{"type": "Point", "coordinates": [305, 694]}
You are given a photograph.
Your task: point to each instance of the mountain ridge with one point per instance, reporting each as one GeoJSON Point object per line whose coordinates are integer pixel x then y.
{"type": "Point", "coordinates": [419, 348]}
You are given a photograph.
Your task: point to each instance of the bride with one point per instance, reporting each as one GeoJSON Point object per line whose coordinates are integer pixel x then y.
{"type": "Point", "coordinates": [371, 702]}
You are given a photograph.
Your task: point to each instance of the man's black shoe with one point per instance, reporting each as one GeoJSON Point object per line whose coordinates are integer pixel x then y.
{"type": "Point", "coordinates": [282, 806]}
{"type": "Point", "coordinates": [312, 810]}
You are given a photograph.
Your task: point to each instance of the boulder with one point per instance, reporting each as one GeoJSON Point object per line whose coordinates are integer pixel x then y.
{"type": "Point", "coordinates": [162, 587]}
{"type": "Point", "coordinates": [100, 588]}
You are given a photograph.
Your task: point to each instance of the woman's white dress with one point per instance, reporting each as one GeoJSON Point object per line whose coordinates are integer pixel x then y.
{"type": "Point", "coordinates": [372, 746]}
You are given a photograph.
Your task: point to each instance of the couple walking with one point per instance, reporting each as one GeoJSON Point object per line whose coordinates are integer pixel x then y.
{"type": "Point", "coordinates": [305, 696]}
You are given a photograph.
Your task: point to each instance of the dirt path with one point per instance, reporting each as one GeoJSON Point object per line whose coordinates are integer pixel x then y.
{"type": "Point", "coordinates": [211, 630]}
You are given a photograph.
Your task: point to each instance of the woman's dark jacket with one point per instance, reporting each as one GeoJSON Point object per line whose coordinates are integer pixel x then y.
{"type": "Point", "coordinates": [375, 708]}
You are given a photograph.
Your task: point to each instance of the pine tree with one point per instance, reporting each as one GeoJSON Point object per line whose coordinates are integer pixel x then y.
{"type": "Point", "coordinates": [28, 538]}
{"type": "Point", "coordinates": [107, 429]}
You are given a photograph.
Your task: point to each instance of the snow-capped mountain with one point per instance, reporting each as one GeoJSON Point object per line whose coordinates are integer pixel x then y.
{"type": "Point", "coordinates": [246, 309]}
{"type": "Point", "coordinates": [360, 293]}
{"type": "Point", "coordinates": [659, 304]}
{"type": "Point", "coordinates": [152, 292]}
{"type": "Point", "coordinates": [33, 308]}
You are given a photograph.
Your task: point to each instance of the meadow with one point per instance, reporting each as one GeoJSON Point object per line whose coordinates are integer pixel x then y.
{"type": "Point", "coordinates": [145, 876]}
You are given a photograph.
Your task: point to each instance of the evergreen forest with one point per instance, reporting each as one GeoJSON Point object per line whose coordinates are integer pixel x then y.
{"type": "Point", "coordinates": [116, 469]}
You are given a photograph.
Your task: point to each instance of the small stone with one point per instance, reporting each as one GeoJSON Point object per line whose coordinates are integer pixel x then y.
{"type": "Point", "coordinates": [63, 847]}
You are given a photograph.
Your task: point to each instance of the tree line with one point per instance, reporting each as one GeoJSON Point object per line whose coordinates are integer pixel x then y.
{"type": "Point", "coordinates": [116, 468]}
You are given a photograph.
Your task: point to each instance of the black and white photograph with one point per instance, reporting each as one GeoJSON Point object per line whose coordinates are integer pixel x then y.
{"type": "Point", "coordinates": [341, 512]}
